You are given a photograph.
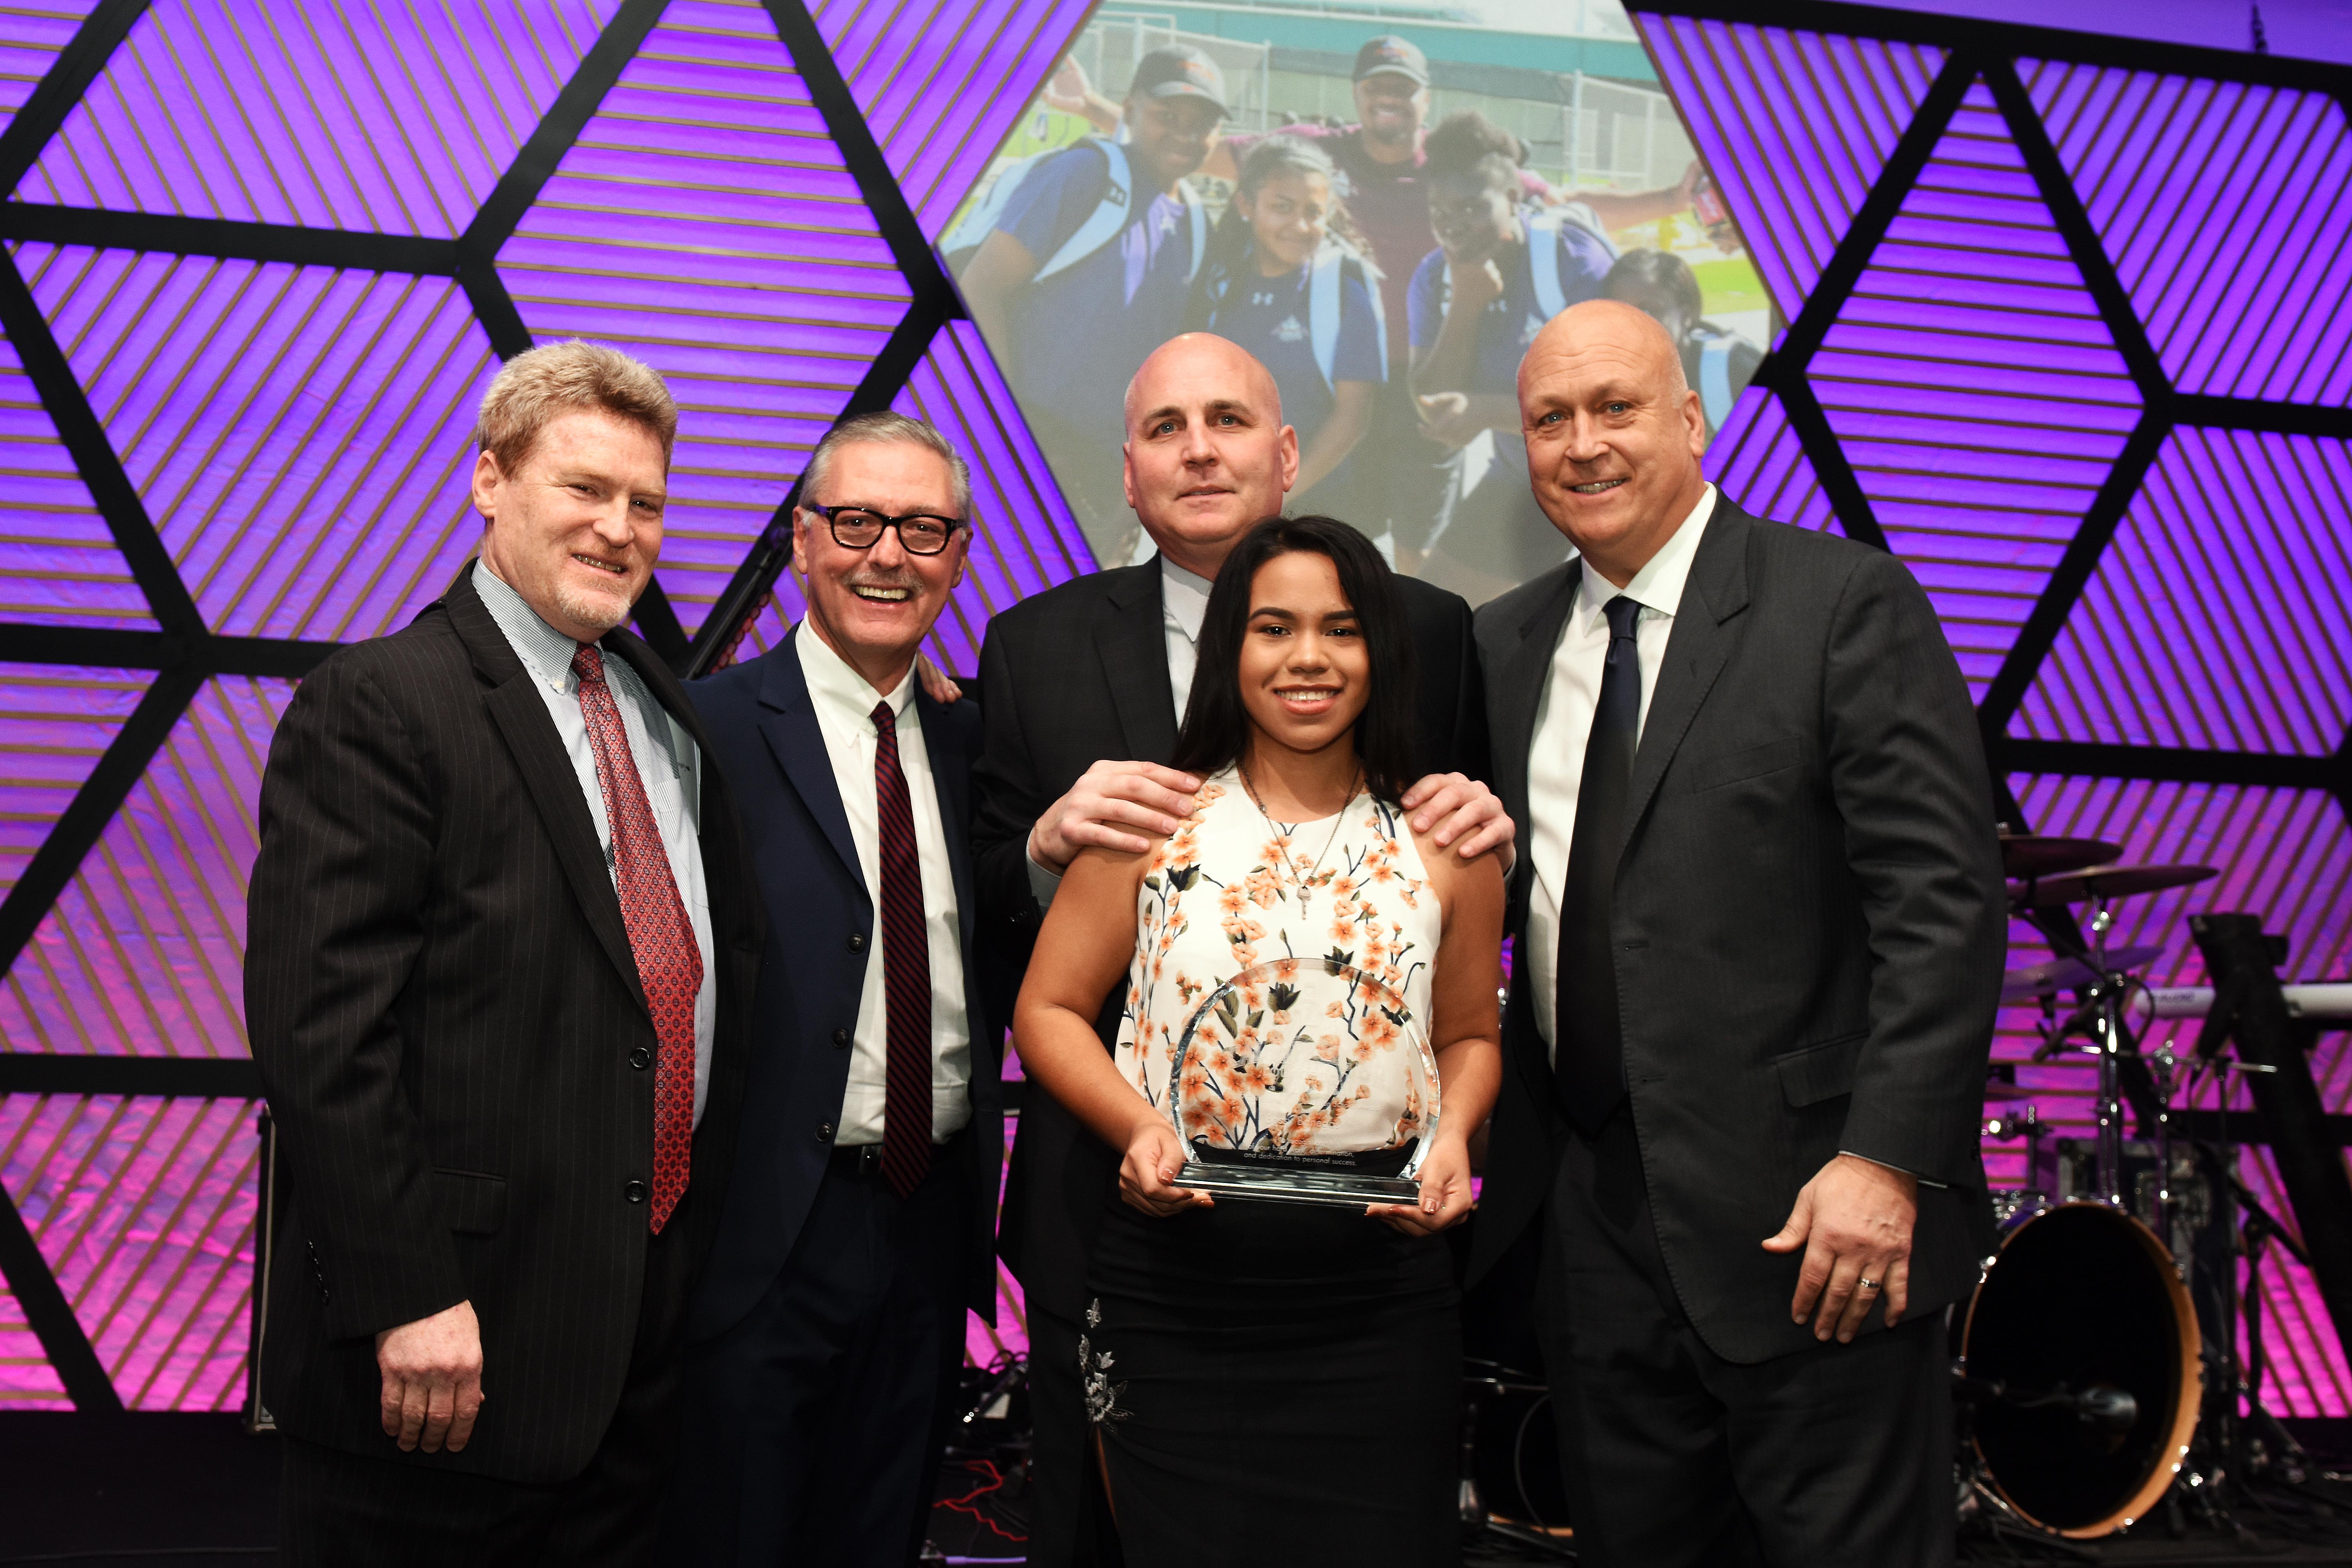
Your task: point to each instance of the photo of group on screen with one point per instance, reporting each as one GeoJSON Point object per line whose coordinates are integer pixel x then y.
{"type": "Point", "coordinates": [1388, 270]}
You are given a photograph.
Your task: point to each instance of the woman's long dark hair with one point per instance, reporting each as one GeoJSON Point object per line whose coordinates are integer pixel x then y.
{"type": "Point", "coordinates": [1216, 724]}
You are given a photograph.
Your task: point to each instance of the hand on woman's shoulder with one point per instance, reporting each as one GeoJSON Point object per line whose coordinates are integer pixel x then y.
{"type": "Point", "coordinates": [1178, 847]}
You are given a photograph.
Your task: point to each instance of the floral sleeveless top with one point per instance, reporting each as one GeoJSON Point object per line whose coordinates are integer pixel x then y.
{"type": "Point", "coordinates": [1229, 890]}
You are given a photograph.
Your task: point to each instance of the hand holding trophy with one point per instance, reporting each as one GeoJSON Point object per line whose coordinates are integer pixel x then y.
{"type": "Point", "coordinates": [1305, 1081]}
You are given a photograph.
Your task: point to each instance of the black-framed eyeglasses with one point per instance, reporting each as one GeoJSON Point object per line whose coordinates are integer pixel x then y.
{"type": "Point", "coordinates": [860, 528]}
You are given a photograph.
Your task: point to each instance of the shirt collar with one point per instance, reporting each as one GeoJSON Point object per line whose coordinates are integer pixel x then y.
{"type": "Point", "coordinates": [1658, 586]}
{"type": "Point", "coordinates": [1184, 596]}
{"type": "Point", "coordinates": [545, 652]}
{"type": "Point", "coordinates": [833, 681]}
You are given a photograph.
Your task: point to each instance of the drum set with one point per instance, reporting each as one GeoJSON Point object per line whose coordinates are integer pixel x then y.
{"type": "Point", "coordinates": [2081, 1360]}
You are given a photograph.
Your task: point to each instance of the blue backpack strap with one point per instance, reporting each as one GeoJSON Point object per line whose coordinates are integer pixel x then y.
{"type": "Point", "coordinates": [980, 218]}
{"type": "Point", "coordinates": [1324, 306]}
{"type": "Point", "coordinates": [1543, 263]}
{"type": "Point", "coordinates": [1110, 217]}
{"type": "Point", "coordinates": [1380, 311]}
{"type": "Point", "coordinates": [1198, 216]}
{"type": "Point", "coordinates": [1327, 305]}
{"type": "Point", "coordinates": [1715, 394]}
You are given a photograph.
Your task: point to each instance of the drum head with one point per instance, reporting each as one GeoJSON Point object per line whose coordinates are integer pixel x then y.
{"type": "Point", "coordinates": [2083, 1299]}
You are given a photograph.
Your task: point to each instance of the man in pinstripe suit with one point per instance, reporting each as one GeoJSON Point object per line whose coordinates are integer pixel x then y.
{"type": "Point", "coordinates": [502, 946]}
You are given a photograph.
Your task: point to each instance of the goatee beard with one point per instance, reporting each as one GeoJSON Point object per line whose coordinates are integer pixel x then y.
{"type": "Point", "coordinates": [602, 611]}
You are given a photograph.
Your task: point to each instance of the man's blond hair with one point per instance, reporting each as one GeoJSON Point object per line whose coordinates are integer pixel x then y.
{"type": "Point", "coordinates": [540, 383]}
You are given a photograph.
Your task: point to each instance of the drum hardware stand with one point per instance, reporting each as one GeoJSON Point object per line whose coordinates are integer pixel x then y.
{"type": "Point", "coordinates": [1476, 1521]}
{"type": "Point", "coordinates": [2107, 1035]}
{"type": "Point", "coordinates": [1981, 1508]}
{"type": "Point", "coordinates": [2256, 1230]}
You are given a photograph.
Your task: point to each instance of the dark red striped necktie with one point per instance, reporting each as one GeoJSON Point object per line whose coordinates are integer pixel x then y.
{"type": "Point", "coordinates": [905, 973]}
{"type": "Point", "coordinates": [661, 939]}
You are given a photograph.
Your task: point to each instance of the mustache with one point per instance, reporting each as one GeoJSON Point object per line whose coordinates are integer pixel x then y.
{"type": "Point", "coordinates": [884, 577]}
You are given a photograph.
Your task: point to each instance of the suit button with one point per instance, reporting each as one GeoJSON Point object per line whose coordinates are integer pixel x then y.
{"type": "Point", "coordinates": [825, 1132]}
{"type": "Point", "coordinates": [641, 1059]}
{"type": "Point", "coordinates": [633, 1190]}
{"type": "Point", "coordinates": [856, 941]}
{"type": "Point", "coordinates": [841, 1037]}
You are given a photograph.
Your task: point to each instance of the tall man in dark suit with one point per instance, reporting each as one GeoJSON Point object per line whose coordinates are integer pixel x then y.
{"type": "Point", "coordinates": [1760, 927]}
{"type": "Point", "coordinates": [1098, 669]}
{"type": "Point", "coordinates": [502, 948]}
{"type": "Point", "coordinates": [861, 1219]}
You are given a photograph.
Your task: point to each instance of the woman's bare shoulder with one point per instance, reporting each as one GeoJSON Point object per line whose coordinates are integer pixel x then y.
{"type": "Point", "coordinates": [1132, 866]}
{"type": "Point", "coordinates": [1453, 877]}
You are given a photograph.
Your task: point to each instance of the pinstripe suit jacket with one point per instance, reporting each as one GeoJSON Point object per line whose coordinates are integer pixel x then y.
{"type": "Point", "coordinates": [444, 1008]}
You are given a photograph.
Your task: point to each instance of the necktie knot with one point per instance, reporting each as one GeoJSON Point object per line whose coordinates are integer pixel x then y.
{"type": "Point", "coordinates": [885, 721]}
{"type": "Point", "coordinates": [588, 664]}
{"type": "Point", "coordinates": [1623, 612]}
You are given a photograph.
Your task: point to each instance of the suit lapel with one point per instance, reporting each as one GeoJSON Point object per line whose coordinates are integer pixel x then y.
{"type": "Point", "coordinates": [1697, 649]}
{"type": "Point", "coordinates": [791, 730]}
{"type": "Point", "coordinates": [1132, 640]}
{"type": "Point", "coordinates": [521, 714]}
{"type": "Point", "coordinates": [952, 782]}
{"type": "Point", "coordinates": [715, 820]}
{"type": "Point", "coordinates": [1525, 675]}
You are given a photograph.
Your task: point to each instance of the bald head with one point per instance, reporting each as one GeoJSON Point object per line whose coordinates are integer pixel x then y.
{"type": "Point", "coordinates": [1613, 432]}
{"type": "Point", "coordinates": [1612, 329]}
{"type": "Point", "coordinates": [1194, 359]}
{"type": "Point", "coordinates": [1207, 452]}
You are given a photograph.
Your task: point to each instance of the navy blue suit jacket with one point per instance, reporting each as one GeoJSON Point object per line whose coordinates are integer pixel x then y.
{"type": "Point", "coordinates": [763, 730]}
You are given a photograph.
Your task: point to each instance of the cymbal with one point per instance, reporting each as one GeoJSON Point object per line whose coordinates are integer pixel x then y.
{"type": "Point", "coordinates": [2104, 882]}
{"type": "Point", "coordinates": [2024, 855]}
{"type": "Point", "coordinates": [2056, 974]}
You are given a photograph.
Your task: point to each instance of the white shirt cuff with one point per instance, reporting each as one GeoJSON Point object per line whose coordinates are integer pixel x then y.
{"type": "Point", "coordinates": [1042, 884]}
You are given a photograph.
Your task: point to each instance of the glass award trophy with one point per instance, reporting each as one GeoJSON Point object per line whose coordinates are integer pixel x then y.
{"type": "Point", "coordinates": [1305, 1081]}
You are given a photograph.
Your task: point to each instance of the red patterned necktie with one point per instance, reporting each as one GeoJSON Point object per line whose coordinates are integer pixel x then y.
{"type": "Point", "coordinates": [906, 974]}
{"type": "Point", "coordinates": [669, 965]}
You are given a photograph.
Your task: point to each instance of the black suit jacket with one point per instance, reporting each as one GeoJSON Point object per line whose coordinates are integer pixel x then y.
{"type": "Point", "coordinates": [821, 937]}
{"type": "Point", "coordinates": [1808, 918]}
{"type": "Point", "coordinates": [1069, 678]}
{"type": "Point", "coordinates": [444, 1007]}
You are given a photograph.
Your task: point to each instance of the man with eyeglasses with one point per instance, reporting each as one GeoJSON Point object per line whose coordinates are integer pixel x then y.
{"type": "Point", "coordinates": [828, 1328]}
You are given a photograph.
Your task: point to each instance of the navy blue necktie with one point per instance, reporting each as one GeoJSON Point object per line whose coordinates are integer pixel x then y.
{"type": "Point", "coordinates": [1588, 1048]}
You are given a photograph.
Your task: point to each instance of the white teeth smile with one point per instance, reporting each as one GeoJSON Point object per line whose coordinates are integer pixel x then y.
{"type": "Point", "coordinates": [879, 595]}
{"type": "Point", "coordinates": [1596, 487]}
{"type": "Point", "coordinates": [1309, 694]}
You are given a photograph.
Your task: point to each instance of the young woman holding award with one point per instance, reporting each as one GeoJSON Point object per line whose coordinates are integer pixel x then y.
{"type": "Point", "coordinates": [1309, 1020]}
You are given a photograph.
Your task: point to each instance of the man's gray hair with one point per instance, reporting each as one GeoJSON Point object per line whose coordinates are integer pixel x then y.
{"type": "Point", "coordinates": [886, 428]}
{"type": "Point", "coordinates": [540, 383]}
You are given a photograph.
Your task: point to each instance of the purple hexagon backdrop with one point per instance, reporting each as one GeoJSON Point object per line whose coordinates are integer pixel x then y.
{"type": "Point", "coordinates": [2064, 331]}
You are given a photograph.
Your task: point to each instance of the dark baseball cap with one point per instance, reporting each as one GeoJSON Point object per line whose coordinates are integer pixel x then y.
{"type": "Point", "coordinates": [1388, 55]}
{"type": "Point", "coordinates": [1180, 71]}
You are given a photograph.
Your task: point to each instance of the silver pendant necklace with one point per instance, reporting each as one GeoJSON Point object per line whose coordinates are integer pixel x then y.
{"type": "Point", "coordinates": [1306, 885]}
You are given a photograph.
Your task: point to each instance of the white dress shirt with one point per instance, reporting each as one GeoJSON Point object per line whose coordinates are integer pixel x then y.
{"type": "Point", "coordinates": [1183, 605]}
{"type": "Point", "coordinates": [1564, 722]}
{"type": "Point", "coordinates": [667, 763]}
{"type": "Point", "coordinates": [844, 717]}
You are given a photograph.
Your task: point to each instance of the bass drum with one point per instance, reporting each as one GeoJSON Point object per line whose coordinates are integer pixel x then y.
{"type": "Point", "coordinates": [2081, 1301]}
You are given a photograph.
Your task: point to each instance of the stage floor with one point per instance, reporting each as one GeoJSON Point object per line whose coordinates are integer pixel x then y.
{"type": "Point", "coordinates": [194, 1491]}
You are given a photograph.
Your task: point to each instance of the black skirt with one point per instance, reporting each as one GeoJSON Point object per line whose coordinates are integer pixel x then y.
{"type": "Point", "coordinates": [1275, 1383]}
